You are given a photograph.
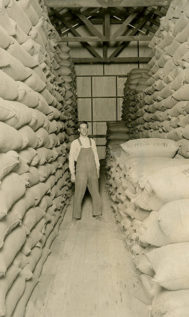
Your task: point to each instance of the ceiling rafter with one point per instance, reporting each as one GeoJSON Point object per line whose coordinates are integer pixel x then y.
{"type": "Point", "coordinates": [100, 20]}
{"type": "Point", "coordinates": [124, 25]}
{"type": "Point", "coordinates": [68, 24]}
{"type": "Point", "coordinates": [132, 32]}
{"type": "Point", "coordinates": [96, 17]}
{"type": "Point", "coordinates": [117, 60]}
{"type": "Point", "coordinates": [86, 45]}
{"type": "Point", "coordinates": [134, 24]}
{"type": "Point", "coordinates": [89, 26]}
{"type": "Point", "coordinates": [106, 38]}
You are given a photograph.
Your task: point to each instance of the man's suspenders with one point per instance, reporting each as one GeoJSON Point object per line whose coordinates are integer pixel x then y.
{"type": "Point", "coordinates": [81, 143]}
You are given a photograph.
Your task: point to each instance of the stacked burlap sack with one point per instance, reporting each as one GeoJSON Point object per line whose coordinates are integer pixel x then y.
{"type": "Point", "coordinates": [163, 110]}
{"type": "Point", "coordinates": [37, 113]}
{"type": "Point", "coordinates": [133, 100]}
{"type": "Point", "coordinates": [149, 191]}
{"type": "Point", "coordinates": [68, 85]}
{"type": "Point", "coordinates": [117, 132]}
{"type": "Point", "coordinates": [166, 101]}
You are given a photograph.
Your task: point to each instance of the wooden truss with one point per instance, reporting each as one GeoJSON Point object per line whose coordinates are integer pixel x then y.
{"type": "Point", "coordinates": [137, 22]}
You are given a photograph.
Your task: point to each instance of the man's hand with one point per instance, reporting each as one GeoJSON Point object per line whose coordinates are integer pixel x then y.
{"type": "Point", "coordinates": [73, 178]}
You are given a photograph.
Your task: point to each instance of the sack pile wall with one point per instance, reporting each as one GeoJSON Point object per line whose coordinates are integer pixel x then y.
{"type": "Point", "coordinates": [133, 102]}
{"type": "Point", "coordinates": [147, 176]}
{"type": "Point", "coordinates": [162, 108]}
{"type": "Point", "coordinates": [148, 187]}
{"type": "Point", "coordinates": [38, 115]}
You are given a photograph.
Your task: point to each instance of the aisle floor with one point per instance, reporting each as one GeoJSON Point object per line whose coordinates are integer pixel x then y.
{"type": "Point", "coordinates": [89, 272]}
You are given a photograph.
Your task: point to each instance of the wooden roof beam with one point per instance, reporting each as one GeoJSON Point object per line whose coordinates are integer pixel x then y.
{"type": "Point", "coordinates": [132, 32]}
{"type": "Point", "coordinates": [99, 21]}
{"type": "Point", "coordinates": [106, 32]}
{"type": "Point", "coordinates": [87, 11]}
{"type": "Point", "coordinates": [105, 3]}
{"type": "Point", "coordinates": [116, 60]}
{"type": "Point", "coordinates": [85, 45]}
{"type": "Point", "coordinates": [127, 38]}
{"type": "Point", "coordinates": [89, 25]}
{"type": "Point", "coordinates": [124, 25]}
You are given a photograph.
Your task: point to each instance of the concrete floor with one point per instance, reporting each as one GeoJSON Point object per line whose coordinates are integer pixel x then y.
{"type": "Point", "coordinates": [89, 272]}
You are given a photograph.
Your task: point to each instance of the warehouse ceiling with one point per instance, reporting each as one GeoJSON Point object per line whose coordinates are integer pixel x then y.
{"type": "Point", "coordinates": [136, 20]}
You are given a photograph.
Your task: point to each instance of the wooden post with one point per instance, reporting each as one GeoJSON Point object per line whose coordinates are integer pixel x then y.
{"type": "Point", "coordinates": [106, 30]}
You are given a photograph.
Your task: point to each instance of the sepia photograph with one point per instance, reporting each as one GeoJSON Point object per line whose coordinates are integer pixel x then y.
{"type": "Point", "coordinates": [94, 158]}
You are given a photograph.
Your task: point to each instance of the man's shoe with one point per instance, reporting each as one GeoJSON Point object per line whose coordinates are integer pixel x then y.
{"type": "Point", "coordinates": [97, 217]}
{"type": "Point", "coordinates": [75, 219]}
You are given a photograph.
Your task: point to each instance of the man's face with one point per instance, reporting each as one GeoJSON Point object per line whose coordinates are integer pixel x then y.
{"type": "Point", "coordinates": [83, 129]}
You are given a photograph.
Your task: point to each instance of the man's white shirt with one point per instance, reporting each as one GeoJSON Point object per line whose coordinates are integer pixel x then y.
{"type": "Point", "coordinates": [75, 149]}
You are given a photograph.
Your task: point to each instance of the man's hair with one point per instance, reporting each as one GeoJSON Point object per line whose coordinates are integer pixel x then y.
{"type": "Point", "coordinates": [83, 122]}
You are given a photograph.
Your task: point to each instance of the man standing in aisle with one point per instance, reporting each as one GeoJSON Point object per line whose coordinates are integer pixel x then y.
{"type": "Point", "coordinates": [83, 152]}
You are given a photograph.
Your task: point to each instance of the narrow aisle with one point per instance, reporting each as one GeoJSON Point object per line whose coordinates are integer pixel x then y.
{"type": "Point", "coordinates": [89, 273]}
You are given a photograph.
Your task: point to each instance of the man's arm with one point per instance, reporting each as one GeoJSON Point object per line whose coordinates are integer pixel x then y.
{"type": "Point", "coordinates": [96, 157]}
{"type": "Point", "coordinates": [72, 162]}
